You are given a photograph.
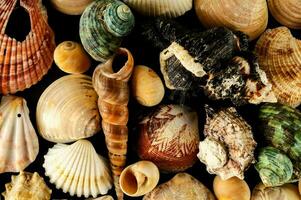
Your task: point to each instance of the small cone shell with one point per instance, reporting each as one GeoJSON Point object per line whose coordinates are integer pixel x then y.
{"type": "Point", "coordinates": [113, 91]}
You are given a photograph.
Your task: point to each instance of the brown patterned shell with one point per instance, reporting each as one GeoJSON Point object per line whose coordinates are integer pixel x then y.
{"type": "Point", "coordinates": [279, 56]}
{"type": "Point", "coordinates": [233, 136]}
{"type": "Point", "coordinates": [181, 187]}
{"type": "Point", "coordinates": [113, 91]}
{"type": "Point", "coordinates": [169, 138]}
{"type": "Point", "coordinates": [24, 63]}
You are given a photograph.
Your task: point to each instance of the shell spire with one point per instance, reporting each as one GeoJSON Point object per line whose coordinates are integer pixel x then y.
{"type": "Point", "coordinates": [113, 91]}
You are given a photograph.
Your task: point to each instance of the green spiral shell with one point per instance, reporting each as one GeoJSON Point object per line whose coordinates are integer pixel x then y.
{"type": "Point", "coordinates": [281, 126]}
{"type": "Point", "coordinates": [274, 167]}
{"type": "Point", "coordinates": [102, 26]}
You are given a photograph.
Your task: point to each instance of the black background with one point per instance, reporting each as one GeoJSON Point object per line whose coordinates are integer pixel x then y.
{"type": "Point", "coordinates": [67, 28]}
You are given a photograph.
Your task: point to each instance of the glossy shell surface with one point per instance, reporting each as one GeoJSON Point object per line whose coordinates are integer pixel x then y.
{"type": "Point", "coordinates": [71, 7]}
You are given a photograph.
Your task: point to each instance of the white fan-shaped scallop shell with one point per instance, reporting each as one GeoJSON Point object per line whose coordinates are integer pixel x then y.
{"type": "Point", "coordinates": [78, 169]}
{"type": "Point", "coordinates": [18, 140]}
{"type": "Point", "coordinates": [67, 110]}
{"type": "Point", "coordinates": [166, 8]}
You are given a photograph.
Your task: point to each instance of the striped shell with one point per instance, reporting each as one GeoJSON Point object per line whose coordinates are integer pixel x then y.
{"type": "Point", "coordinates": [103, 25]}
{"type": "Point", "coordinates": [18, 139]}
{"type": "Point", "coordinates": [279, 56]}
{"type": "Point", "coordinates": [165, 8]}
{"type": "Point", "coordinates": [70, 7]}
{"type": "Point", "coordinates": [24, 63]}
{"type": "Point", "coordinates": [78, 169]}
{"type": "Point", "coordinates": [67, 110]}
{"type": "Point", "coordinates": [286, 12]}
{"type": "Point", "coordinates": [27, 186]}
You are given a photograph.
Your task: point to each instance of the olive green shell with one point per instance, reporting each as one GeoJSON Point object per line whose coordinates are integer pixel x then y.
{"type": "Point", "coordinates": [274, 167]}
{"type": "Point", "coordinates": [102, 26]}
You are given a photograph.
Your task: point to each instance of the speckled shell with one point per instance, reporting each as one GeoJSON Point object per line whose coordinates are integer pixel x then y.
{"type": "Point", "coordinates": [279, 56]}
{"type": "Point", "coordinates": [234, 138]}
{"type": "Point", "coordinates": [169, 138]}
{"type": "Point", "coordinates": [71, 58]}
{"type": "Point", "coordinates": [67, 110]}
{"type": "Point", "coordinates": [139, 178]}
{"type": "Point", "coordinates": [78, 169]}
{"type": "Point", "coordinates": [18, 139]}
{"type": "Point", "coordinates": [103, 25]}
{"type": "Point", "coordinates": [286, 12]}
{"type": "Point", "coordinates": [181, 186]}
{"type": "Point", "coordinates": [285, 192]}
{"type": "Point", "coordinates": [27, 186]}
{"type": "Point", "coordinates": [274, 167]}
{"type": "Point", "coordinates": [113, 91]}
{"type": "Point", "coordinates": [165, 8]}
{"type": "Point", "coordinates": [147, 87]}
{"type": "Point", "coordinates": [71, 7]}
{"type": "Point", "coordinates": [24, 63]}
{"type": "Point", "coordinates": [248, 16]}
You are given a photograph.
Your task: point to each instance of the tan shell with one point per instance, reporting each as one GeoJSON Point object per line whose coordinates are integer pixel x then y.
{"type": "Point", "coordinates": [113, 91]}
{"type": "Point", "coordinates": [70, 7]}
{"type": "Point", "coordinates": [228, 149]}
{"type": "Point", "coordinates": [248, 16]}
{"type": "Point", "coordinates": [78, 169]}
{"type": "Point", "coordinates": [279, 56]}
{"type": "Point", "coordinates": [24, 63]}
{"type": "Point", "coordinates": [67, 110]}
{"type": "Point", "coordinates": [139, 178]}
{"type": "Point", "coordinates": [71, 57]}
{"type": "Point", "coordinates": [106, 197]}
{"type": "Point", "coordinates": [284, 192]}
{"type": "Point", "coordinates": [286, 12]}
{"type": "Point", "coordinates": [166, 8]}
{"type": "Point", "coordinates": [18, 139]}
{"type": "Point", "coordinates": [181, 186]}
{"type": "Point", "coordinates": [147, 87]}
{"type": "Point", "coordinates": [27, 186]}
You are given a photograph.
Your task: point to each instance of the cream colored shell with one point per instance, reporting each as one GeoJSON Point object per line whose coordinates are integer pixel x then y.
{"type": "Point", "coordinates": [248, 16]}
{"type": "Point", "coordinates": [18, 139]}
{"type": "Point", "coordinates": [78, 169]}
{"type": "Point", "coordinates": [139, 178]}
{"type": "Point", "coordinates": [70, 7]}
{"type": "Point", "coordinates": [166, 8]}
{"type": "Point", "coordinates": [106, 197]}
{"type": "Point", "coordinates": [147, 87]}
{"type": "Point", "coordinates": [27, 186]}
{"type": "Point", "coordinates": [67, 110]}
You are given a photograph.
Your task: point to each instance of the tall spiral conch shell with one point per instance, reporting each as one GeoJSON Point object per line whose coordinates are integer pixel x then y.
{"type": "Point", "coordinates": [70, 7]}
{"type": "Point", "coordinates": [27, 186]}
{"type": "Point", "coordinates": [24, 63]}
{"type": "Point", "coordinates": [113, 91]}
{"type": "Point", "coordinates": [139, 178]}
{"type": "Point", "coordinates": [286, 12]}
{"type": "Point", "coordinates": [181, 186]}
{"type": "Point", "coordinates": [279, 56]}
{"type": "Point", "coordinates": [18, 140]}
{"type": "Point", "coordinates": [248, 16]}
{"type": "Point", "coordinates": [103, 25]}
{"type": "Point", "coordinates": [165, 8]}
{"type": "Point", "coordinates": [228, 149]}
{"type": "Point", "coordinates": [67, 110]}
{"type": "Point", "coordinates": [78, 169]}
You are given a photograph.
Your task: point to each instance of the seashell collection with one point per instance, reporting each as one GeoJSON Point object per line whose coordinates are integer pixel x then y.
{"type": "Point", "coordinates": [150, 99]}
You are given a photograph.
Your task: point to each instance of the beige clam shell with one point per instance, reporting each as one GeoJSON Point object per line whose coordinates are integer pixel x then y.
{"type": "Point", "coordinates": [27, 186]}
{"type": "Point", "coordinates": [286, 12]}
{"type": "Point", "coordinates": [18, 139]}
{"type": "Point", "coordinates": [166, 8]}
{"type": "Point", "coordinates": [279, 56]}
{"type": "Point", "coordinates": [71, 7]}
{"type": "Point", "coordinates": [248, 16]}
{"type": "Point", "coordinates": [67, 110]}
{"type": "Point", "coordinates": [78, 169]}
{"type": "Point", "coordinates": [139, 178]}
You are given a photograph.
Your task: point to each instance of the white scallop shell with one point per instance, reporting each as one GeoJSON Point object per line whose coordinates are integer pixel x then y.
{"type": "Point", "coordinates": [166, 8]}
{"type": "Point", "coordinates": [78, 169]}
{"type": "Point", "coordinates": [18, 139]}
